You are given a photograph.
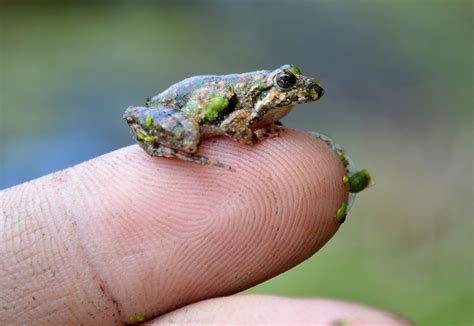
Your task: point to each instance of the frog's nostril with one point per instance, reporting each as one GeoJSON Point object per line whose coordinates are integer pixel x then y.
{"type": "Point", "coordinates": [319, 90]}
{"type": "Point", "coordinates": [316, 86]}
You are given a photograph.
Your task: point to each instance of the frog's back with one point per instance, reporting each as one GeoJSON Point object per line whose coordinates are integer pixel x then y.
{"type": "Point", "coordinates": [179, 93]}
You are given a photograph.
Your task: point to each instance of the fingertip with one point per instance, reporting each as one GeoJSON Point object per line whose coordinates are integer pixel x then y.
{"type": "Point", "coordinates": [232, 230]}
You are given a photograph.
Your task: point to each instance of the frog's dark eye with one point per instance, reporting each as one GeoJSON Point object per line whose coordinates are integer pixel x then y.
{"type": "Point", "coordinates": [285, 79]}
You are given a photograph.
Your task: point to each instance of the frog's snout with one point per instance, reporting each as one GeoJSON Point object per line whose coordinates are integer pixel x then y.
{"type": "Point", "coordinates": [314, 85]}
{"type": "Point", "coordinates": [319, 90]}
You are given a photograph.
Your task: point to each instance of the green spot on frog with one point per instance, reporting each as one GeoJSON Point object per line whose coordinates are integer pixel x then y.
{"type": "Point", "coordinates": [148, 120]}
{"type": "Point", "coordinates": [295, 70]}
{"type": "Point", "coordinates": [140, 135]}
{"type": "Point", "coordinates": [359, 181]}
{"type": "Point", "coordinates": [132, 319]}
{"type": "Point", "coordinates": [214, 107]}
{"type": "Point", "coordinates": [341, 213]}
{"type": "Point", "coordinates": [342, 157]}
{"type": "Point", "coordinates": [140, 317]}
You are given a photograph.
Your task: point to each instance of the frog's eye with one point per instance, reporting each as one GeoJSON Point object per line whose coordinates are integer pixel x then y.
{"type": "Point", "coordinates": [285, 79]}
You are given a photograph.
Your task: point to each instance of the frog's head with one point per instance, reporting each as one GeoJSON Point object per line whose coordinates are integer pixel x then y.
{"type": "Point", "coordinates": [287, 86]}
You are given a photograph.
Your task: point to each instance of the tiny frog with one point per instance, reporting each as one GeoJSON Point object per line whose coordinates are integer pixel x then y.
{"type": "Point", "coordinates": [246, 107]}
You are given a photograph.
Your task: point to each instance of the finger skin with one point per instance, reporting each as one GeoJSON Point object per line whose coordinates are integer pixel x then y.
{"type": "Point", "coordinates": [127, 235]}
{"type": "Point", "coordinates": [271, 310]}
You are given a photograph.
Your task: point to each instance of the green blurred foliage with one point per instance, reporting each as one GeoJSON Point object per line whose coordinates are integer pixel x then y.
{"type": "Point", "coordinates": [398, 79]}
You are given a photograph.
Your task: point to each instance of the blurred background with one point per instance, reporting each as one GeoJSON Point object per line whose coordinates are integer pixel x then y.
{"type": "Point", "coordinates": [398, 80]}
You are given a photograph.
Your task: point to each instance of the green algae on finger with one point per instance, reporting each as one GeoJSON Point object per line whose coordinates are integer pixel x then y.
{"type": "Point", "coordinates": [342, 156]}
{"type": "Point", "coordinates": [345, 179]}
{"type": "Point", "coordinates": [341, 213]}
{"type": "Point", "coordinates": [359, 181]}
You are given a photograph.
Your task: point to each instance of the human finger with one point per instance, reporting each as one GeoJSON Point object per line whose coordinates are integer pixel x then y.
{"type": "Point", "coordinates": [127, 237]}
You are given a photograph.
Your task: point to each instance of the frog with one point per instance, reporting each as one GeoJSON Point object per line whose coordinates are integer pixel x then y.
{"type": "Point", "coordinates": [247, 107]}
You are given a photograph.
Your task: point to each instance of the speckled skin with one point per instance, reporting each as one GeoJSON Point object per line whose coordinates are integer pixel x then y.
{"type": "Point", "coordinates": [244, 106]}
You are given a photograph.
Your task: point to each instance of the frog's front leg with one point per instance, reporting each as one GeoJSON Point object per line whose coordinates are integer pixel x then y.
{"type": "Point", "coordinates": [271, 130]}
{"type": "Point", "coordinates": [157, 150]}
{"type": "Point", "coordinates": [167, 132]}
{"type": "Point", "coordinates": [237, 126]}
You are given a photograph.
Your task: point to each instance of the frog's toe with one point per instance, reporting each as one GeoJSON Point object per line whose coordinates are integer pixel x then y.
{"type": "Point", "coordinates": [203, 160]}
{"type": "Point", "coordinates": [271, 131]}
{"type": "Point", "coordinates": [274, 130]}
{"type": "Point", "coordinates": [163, 151]}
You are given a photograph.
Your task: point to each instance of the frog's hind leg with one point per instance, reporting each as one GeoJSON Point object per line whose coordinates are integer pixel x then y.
{"type": "Point", "coordinates": [157, 150]}
{"type": "Point", "coordinates": [167, 132]}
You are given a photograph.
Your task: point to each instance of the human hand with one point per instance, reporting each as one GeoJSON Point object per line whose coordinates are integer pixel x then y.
{"type": "Point", "coordinates": [126, 238]}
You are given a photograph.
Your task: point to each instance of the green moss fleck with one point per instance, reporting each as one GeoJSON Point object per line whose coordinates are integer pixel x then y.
{"type": "Point", "coordinates": [140, 317]}
{"type": "Point", "coordinates": [345, 179]}
{"type": "Point", "coordinates": [132, 319]}
{"type": "Point", "coordinates": [149, 139]}
{"type": "Point", "coordinates": [295, 70]}
{"type": "Point", "coordinates": [148, 120]}
{"type": "Point", "coordinates": [342, 157]}
{"type": "Point", "coordinates": [140, 135]}
{"type": "Point", "coordinates": [359, 181]}
{"type": "Point", "coordinates": [341, 212]}
{"type": "Point", "coordinates": [214, 107]}
{"type": "Point", "coordinates": [343, 219]}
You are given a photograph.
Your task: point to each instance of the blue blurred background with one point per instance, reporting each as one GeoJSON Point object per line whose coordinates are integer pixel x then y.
{"type": "Point", "coordinates": [398, 80]}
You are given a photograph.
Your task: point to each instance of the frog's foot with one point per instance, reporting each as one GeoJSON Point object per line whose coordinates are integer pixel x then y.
{"type": "Point", "coordinates": [237, 127]}
{"type": "Point", "coordinates": [251, 137]}
{"type": "Point", "coordinates": [157, 150]}
{"type": "Point", "coordinates": [271, 131]}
